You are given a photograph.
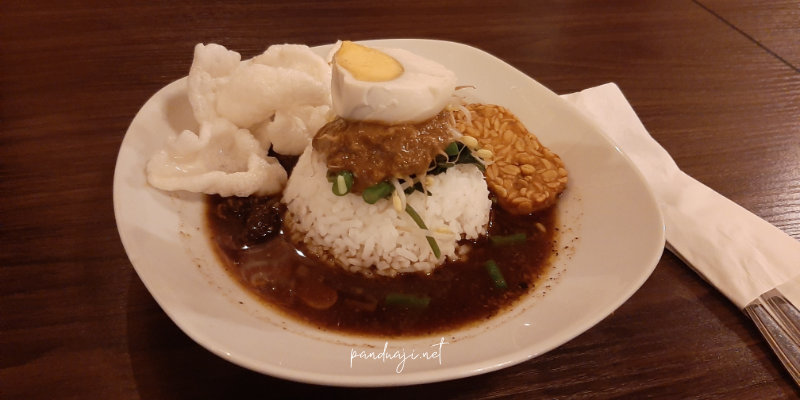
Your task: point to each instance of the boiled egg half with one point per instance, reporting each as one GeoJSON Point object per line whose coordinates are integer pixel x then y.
{"type": "Point", "coordinates": [387, 85]}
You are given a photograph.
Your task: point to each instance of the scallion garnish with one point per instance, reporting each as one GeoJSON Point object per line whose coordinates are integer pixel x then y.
{"type": "Point", "coordinates": [508, 239]}
{"type": "Point", "coordinates": [496, 275]}
{"type": "Point", "coordinates": [377, 191]}
{"type": "Point", "coordinates": [434, 246]}
{"type": "Point", "coordinates": [407, 300]}
{"type": "Point", "coordinates": [342, 182]}
{"type": "Point", "coordinates": [420, 223]}
{"type": "Point", "coordinates": [417, 219]}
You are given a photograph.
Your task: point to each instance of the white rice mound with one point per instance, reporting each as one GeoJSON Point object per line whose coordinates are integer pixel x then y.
{"type": "Point", "coordinates": [376, 239]}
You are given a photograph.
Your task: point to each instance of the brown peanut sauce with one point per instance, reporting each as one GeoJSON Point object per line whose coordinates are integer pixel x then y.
{"type": "Point", "coordinates": [375, 152]}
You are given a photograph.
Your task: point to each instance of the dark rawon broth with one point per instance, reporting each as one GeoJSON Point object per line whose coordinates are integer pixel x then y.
{"type": "Point", "coordinates": [249, 238]}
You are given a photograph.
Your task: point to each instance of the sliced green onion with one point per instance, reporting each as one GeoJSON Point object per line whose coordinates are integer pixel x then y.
{"type": "Point", "coordinates": [342, 182]}
{"type": "Point", "coordinates": [495, 274]}
{"type": "Point", "coordinates": [451, 149]}
{"type": "Point", "coordinates": [420, 223]}
{"type": "Point", "coordinates": [376, 192]}
{"type": "Point", "coordinates": [508, 239]}
{"type": "Point", "coordinates": [417, 219]}
{"type": "Point", "coordinates": [407, 300]}
{"type": "Point", "coordinates": [434, 246]}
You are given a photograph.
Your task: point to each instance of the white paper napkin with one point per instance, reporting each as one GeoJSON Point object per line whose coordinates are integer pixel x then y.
{"type": "Point", "coordinates": [736, 251]}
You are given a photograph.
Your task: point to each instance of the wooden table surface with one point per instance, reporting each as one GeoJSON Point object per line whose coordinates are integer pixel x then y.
{"type": "Point", "coordinates": [715, 81]}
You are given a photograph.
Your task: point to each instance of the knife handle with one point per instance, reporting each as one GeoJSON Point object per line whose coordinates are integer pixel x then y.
{"type": "Point", "coordinates": [778, 320]}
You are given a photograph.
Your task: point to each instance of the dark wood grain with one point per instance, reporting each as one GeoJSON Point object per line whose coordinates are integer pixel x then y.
{"type": "Point", "coordinates": [775, 26]}
{"type": "Point", "coordinates": [76, 322]}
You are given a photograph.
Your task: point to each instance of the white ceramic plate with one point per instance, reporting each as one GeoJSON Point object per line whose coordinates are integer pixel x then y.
{"type": "Point", "coordinates": [612, 227]}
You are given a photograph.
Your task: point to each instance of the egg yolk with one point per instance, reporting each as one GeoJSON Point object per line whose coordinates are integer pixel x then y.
{"type": "Point", "coordinates": [367, 64]}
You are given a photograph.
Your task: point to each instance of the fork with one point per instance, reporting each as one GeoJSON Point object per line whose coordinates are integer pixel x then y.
{"type": "Point", "coordinates": [778, 320]}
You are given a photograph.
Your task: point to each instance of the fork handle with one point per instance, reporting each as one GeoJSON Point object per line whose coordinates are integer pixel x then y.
{"type": "Point", "coordinates": [778, 320]}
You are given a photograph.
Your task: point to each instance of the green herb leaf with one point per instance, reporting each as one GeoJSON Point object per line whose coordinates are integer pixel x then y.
{"type": "Point", "coordinates": [452, 149]}
{"type": "Point", "coordinates": [457, 153]}
{"type": "Point", "coordinates": [417, 186]}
